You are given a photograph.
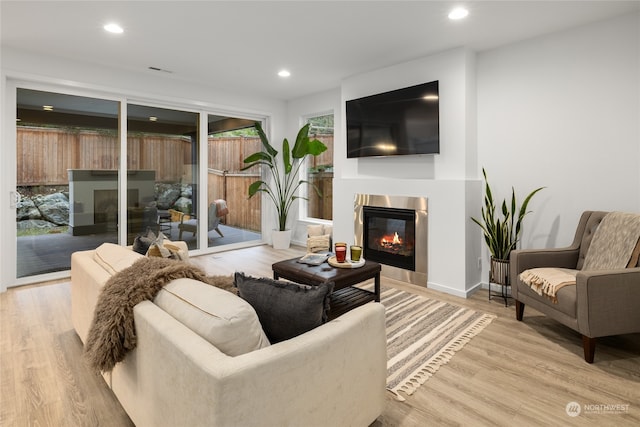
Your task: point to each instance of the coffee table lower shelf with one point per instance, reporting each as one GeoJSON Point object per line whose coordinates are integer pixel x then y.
{"type": "Point", "coordinates": [348, 298]}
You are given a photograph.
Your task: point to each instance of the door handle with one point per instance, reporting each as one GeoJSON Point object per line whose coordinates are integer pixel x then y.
{"type": "Point", "coordinates": [14, 199]}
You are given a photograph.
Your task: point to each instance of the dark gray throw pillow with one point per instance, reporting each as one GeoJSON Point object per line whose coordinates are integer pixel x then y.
{"type": "Point", "coordinates": [142, 242]}
{"type": "Point", "coordinates": [285, 309]}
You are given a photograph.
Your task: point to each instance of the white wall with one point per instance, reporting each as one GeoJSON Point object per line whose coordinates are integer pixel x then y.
{"type": "Point", "coordinates": [563, 111]}
{"type": "Point", "coordinates": [442, 178]}
{"type": "Point", "coordinates": [143, 85]}
{"type": "Point", "coordinates": [560, 111]}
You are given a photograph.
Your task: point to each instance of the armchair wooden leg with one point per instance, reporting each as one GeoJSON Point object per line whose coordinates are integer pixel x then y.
{"type": "Point", "coordinates": [589, 345]}
{"type": "Point", "coordinates": [519, 310]}
{"type": "Point", "coordinates": [219, 232]}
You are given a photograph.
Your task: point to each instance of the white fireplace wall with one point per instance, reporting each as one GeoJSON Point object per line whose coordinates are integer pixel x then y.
{"type": "Point", "coordinates": [453, 248]}
{"type": "Point", "coordinates": [448, 213]}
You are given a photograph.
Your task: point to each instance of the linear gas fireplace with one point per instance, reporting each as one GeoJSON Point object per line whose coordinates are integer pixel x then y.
{"type": "Point", "coordinates": [392, 230]}
{"type": "Point", "coordinates": [389, 236]}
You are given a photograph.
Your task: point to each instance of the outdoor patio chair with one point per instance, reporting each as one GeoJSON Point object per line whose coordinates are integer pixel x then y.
{"type": "Point", "coordinates": [217, 210]}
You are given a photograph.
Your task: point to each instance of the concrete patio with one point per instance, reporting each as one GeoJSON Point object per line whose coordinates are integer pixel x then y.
{"type": "Point", "coordinates": [47, 253]}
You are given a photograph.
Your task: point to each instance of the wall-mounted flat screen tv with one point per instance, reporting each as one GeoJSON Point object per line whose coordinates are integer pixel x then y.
{"type": "Point", "coordinates": [399, 122]}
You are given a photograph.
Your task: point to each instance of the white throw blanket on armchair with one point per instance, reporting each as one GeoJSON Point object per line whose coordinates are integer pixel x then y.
{"type": "Point", "coordinates": [614, 245]}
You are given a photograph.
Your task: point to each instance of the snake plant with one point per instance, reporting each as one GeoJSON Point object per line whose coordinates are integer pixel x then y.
{"type": "Point", "coordinates": [502, 230]}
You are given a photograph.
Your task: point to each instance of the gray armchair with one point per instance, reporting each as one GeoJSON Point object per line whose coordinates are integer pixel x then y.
{"type": "Point", "coordinates": [602, 302]}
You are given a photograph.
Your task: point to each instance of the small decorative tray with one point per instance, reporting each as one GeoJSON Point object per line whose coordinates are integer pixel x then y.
{"type": "Point", "coordinates": [314, 258]}
{"type": "Point", "coordinates": [347, 264]}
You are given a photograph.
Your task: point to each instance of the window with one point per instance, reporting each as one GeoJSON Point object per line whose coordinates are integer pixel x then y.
{"type": "Point", "coordinates": [320, 169]}
{"type": "Point", "coordinates": [66, 145]}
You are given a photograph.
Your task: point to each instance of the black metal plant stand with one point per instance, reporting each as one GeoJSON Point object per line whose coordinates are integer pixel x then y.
{"type": "Point", "coordinates": [504, 293]}
{"type": "Point", "coordinates": [499, 275]}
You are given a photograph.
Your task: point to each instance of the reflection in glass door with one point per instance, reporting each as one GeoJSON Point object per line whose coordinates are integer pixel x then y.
{"type": "Point", "coordinates": [162, 175]}
{"type": "Point", "coordinates": [67, 178]}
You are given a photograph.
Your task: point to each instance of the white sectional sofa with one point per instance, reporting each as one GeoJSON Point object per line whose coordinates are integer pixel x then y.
{"type": "Point", "coordinates": [333, 375]}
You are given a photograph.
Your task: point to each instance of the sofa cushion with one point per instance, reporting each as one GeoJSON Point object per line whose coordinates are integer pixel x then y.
{"type": "Point", "coordinates": [314, 230]}
{"type": "Point", "coordinates": [114, 258]}
{"type": "Point", "coordinates": [285, 309]}
{"type": "Point", "coordinates": [566, 299]}
{"type": "Point", "coordinates": [220, 317]}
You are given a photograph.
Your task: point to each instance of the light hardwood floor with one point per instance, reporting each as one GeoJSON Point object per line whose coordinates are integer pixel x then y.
{"type": "Point", "coordinates": [512, 374]}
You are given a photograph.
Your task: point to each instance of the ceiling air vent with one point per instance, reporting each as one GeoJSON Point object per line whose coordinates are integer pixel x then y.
{"type": "Point", "coordinates": [160, 69]}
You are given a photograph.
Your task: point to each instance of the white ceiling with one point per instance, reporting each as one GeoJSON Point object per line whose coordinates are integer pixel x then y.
{"type": "Point", "coordinates": [239, 46]}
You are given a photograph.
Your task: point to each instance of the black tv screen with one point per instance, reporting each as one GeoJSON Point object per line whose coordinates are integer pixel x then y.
{"type": "Point", "coordinates": [399, 122]}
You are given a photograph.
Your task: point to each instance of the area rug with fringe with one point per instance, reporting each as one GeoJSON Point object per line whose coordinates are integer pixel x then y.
{"type": "Point", "coordinates": [422, 335]}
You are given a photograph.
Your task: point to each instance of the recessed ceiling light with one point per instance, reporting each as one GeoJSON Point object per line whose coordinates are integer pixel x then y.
{"type": "Point", "coordinates": [47, 107]}
{"type": "Point", "coordinates": [113, 28]}
{"type": "Point", "coordinates": [284, 73]}
{"type": "Point", "coordinates": [458, 13]}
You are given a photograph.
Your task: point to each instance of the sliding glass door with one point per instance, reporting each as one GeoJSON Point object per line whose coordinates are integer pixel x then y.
{"type": "Point", "coordinates": [162, 173]}
{"type": "Point", "coordinates": [67, 152]}
{"type": "Point", "coordinates": [232, 216]}
{"type": "Point", "coordinates": [74, 191]}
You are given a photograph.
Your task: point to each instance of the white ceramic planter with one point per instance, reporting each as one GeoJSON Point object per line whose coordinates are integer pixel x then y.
{"type": "Point", "coordinates": [281, 239]}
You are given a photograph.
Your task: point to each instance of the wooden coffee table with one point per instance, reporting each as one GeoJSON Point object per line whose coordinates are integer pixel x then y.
{"type": "Point", "coordinates": [345, 296]}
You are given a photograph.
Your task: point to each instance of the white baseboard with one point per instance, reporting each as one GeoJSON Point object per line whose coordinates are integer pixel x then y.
{"type": "Point", "coordinates": [453, 291]}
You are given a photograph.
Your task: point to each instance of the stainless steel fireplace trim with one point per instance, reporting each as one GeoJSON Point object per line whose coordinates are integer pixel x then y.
{"type": "Point", "coordinates": [417, 204]}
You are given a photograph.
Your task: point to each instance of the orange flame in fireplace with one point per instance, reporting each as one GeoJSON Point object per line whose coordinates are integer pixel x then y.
{"type": "Point", "coordinates": [388, 240]}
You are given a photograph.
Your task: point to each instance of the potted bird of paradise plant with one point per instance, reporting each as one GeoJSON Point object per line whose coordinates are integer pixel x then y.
{"type": "Point", "coordinates": [283, 182]}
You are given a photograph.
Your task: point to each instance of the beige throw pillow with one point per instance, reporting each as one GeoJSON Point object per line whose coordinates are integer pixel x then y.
{"type": "Point", "coordinates": [166, 249]}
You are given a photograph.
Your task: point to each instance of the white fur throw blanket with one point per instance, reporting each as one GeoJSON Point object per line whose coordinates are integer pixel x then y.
{"type": "Point", "coordinates": [612, 247]}
{"type": "Point", "coordinates": [112, 333]}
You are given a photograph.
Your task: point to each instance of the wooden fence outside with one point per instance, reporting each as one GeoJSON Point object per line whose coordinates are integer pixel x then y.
{"type": "Point", "coordinates": [243, 212]}
{"type": "Point", "coordinates": [321, 206]}
{"type": "Point", "coordinates": [167, 155]}
{"type": "Point", "coordinates": [325, 158]}
{"type": "Point", "coordinates": [225, 157]}
{"type": "Point", "coordinates": [45, 155]}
